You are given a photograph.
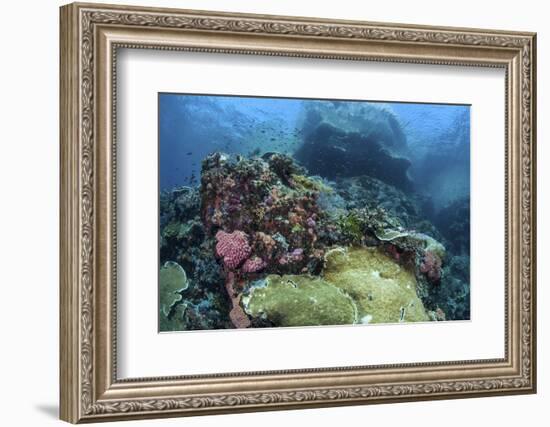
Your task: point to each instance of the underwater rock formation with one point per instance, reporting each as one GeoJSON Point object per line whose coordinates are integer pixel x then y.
{"type": "Point", "coordinates": [359, 285]}
{"type": "Point", "coordinates": [332, 152]}
{"type": "Point", "coordinates": [371, 120]}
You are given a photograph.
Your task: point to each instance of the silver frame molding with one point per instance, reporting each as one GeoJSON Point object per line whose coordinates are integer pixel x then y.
{"type": "Point", "coordinates": [90, 37]}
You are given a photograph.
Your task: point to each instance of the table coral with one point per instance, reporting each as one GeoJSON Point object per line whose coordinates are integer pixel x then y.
{"type": "Point", "coordinates": [172, 280]}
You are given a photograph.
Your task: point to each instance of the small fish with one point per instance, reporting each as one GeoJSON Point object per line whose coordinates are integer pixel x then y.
{"type": "Point", "coordinates": [189, 153]}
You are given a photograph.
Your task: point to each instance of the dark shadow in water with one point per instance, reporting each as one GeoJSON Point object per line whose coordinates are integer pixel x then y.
{"type": "Point", "coordinates": [50, 410]}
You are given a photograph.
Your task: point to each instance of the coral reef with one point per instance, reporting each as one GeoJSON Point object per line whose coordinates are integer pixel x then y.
{"type": "Point", "coordinates": [364, 191]}
{"type": "Point", "coordinates": [237, 314]}
{"type": "Point", "coordinates": [453, 297]}
{"type": "Point", "coordinates": [183, 240]}
{"type": "Point", "coordinates": [263, 213]}
{"type": "Point", "coordinates": [371, 120]}
{"type": "Point", "coordinates": [270, 202]}
{"type": "Point", "coordinates": [340, 212]}
{"type": "Point", "coordinates": [265, 244]}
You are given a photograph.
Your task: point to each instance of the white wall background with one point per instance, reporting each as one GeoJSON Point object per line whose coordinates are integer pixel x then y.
{"type": "Point", "coordinates": [29, 170]}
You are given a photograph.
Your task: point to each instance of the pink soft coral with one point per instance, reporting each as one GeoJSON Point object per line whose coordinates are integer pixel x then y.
{"type": "Point", "coordinates": [253, 265]}
{"type": "Point", "coordinates": [296, 255]}
{"type": "Point", "coordinates": [431, 267]}
{"type": "Point", "coordinates": [232, 247]}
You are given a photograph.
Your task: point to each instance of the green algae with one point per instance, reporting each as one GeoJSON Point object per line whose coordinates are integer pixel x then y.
{"type": "Point", "coordinates": [360, 285]}
{"type": "Point", "coordinates": [299, 300]}
{"type": "Point", "coordinates": [172, 280]}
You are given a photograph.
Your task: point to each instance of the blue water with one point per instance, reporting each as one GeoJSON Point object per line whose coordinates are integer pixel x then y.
{"type": "Point", "coordinates": [437, 136]}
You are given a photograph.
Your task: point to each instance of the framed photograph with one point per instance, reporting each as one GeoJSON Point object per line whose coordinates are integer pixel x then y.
{"type": "Point", "coordinates": [267, 212]}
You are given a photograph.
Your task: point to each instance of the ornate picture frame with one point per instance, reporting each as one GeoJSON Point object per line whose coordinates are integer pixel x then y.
{"type": "Point", "coordinates": [91, 35]}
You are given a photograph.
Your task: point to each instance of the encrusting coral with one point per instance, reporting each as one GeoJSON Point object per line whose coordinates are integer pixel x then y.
{"type": "Point", "coordinates": [384, 291]}
{"type": "Point", "coordinates": [359, 285]}
{"type": "Point", "coordinates": [299, 300]}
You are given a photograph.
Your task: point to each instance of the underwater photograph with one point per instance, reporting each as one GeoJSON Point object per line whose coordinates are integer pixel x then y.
{"type": "Point", "coordinates": [292, 212]}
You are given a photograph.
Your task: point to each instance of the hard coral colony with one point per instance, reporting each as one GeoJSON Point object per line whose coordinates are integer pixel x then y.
{"type": "Point", "coordinates": [263, 243]}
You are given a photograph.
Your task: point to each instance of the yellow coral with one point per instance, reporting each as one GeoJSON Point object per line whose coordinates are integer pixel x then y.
{"type": "Point", "coordinates": [299, 300]}
{"type": "Point", "coordinates": [360, 285]}
{"type": "Point", "coordinates": [384, 291]}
